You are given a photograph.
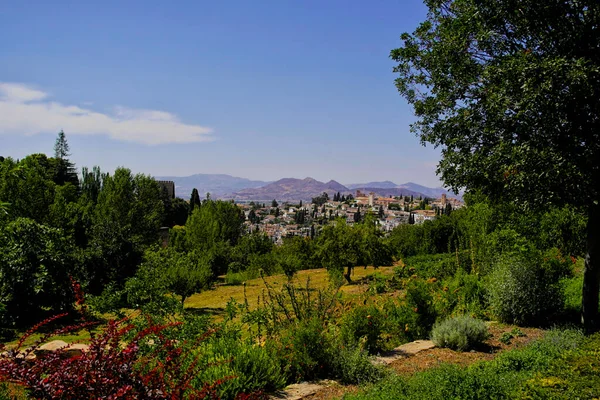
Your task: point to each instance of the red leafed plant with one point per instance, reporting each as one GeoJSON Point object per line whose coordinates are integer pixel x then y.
{"type": "Point", "coordinates": [112, 368]}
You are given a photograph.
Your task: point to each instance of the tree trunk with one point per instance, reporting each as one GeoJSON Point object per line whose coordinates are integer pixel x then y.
{"type": "Point", "coordinates": [347, 275]}
{"type": "Point", "coordinates": [591, 273]}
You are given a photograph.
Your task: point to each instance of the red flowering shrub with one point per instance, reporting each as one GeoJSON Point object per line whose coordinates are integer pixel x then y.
{"type": "Point", "coordinates": [122, 362]}
{"type": "Point", "coordinates": [108, 369]}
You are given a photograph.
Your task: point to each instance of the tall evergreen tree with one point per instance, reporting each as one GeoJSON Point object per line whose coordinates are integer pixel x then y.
{"type": "Point", "coordinates": [64, 170]}
{"type": "Point", "coordinates": [194, 200]}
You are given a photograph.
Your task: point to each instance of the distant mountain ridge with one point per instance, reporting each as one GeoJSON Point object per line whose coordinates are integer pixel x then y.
{"type": "Point", "coordinates": [217, 185]}
{"type": "Point", "coordinates": [389, 188]}
{"type": "Point", "coordinates": [289, 189]}
{"type": "Point", "coordinates": [381, 185]}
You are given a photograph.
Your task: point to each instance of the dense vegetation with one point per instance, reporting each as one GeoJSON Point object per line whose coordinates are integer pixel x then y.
{"type": "Point", "coordinates": [487, 260]}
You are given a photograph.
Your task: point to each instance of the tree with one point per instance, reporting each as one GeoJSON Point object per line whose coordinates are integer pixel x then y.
{"type": "Point", "coordinates": [274, 204]}
{"type": "Point", "coordinates": [510, 91]}
{"type": "Point", "coordinates": [64, 169]}
{"type": "Point", "coordinates": [125, 221]}
{"type": "Point", "coordinates": [34, 271]}
{"type": "Point", "coordinates": [167, 271]}
{"type": "Point", "coordinates": [194, 200]}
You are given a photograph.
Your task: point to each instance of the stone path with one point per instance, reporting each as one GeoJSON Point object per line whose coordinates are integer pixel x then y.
{"type": "Point", "coordinates": [298, 391]}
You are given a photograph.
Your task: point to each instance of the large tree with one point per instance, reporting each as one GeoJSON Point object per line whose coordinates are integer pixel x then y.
{"type": "Point", "coordinates": [510, 91]}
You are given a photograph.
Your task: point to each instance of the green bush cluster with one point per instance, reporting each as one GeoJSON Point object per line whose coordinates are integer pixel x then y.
{"type": "Point", "coordinates": [308, 350]}
{"type": "Point", "coordinates": [460, 333]}
{"type": "Point", "coordinates": [362, 326]}
{"type": "Point", "coordinates": [523, 291]}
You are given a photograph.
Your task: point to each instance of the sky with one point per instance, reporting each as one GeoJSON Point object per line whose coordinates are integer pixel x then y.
{"type": "Point", "coordinates": [261, 89]}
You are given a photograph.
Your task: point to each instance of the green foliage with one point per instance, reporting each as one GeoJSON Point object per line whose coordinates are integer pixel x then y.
{"type": "Point", "coordinates": [167, 271]}
{"type": "Point", "coordinates": [34, 271]}
{"type": "Point", "coordinates": [521, 291]}
{"type": "Point", "coordinates": [508, 336]}
{"type": "Point", "coordinates": [125, 221]}
{"type": "Point", "coordinates": [419, 298]}
{"type": "Point", "coordinates": [436, 265]}
{"type": "Point", "coordinates": [575, 375]}
{"type": "Point", "coordinates": [215, 227]}
{"type": "Point", "coordinates": [462, 294]}
{"type": "Point", "coordinates": [506, 100]}
{"type": "Point", "coordinates": [304, 348]}
{"type": "Point", "coordinates": [246, 367]}
{"type": "Point", "coordinates": [353, 365]}
{"type": "Point", "coordinates": [362, 327]}
{"type": "Point", "coordinates": [342, 246]}
{"type": "Point", "coordinates": [460, 333]}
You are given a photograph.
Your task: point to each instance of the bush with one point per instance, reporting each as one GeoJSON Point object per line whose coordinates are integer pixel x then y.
{"type": "Point", "coordinates": [522, 292]}
{"type": "Point", "coordinates": [243, 367]}
{"type": "Point", "coordinates": [109, 369]}
{"type": "Point", "coordinates": [462, 294]}
{"type": "Point", "coordinates": [305, 351]}
{"type": "Point", "coordinates": [460, 333]}
{"type": "Point", "coordinates": [363, 326]}
{"type": "Point", "coordinates": [352, 365]}
{"type": "Point", "coordinates": [436, 265]}
{"type": "Point", "coordinates": [420, 300]}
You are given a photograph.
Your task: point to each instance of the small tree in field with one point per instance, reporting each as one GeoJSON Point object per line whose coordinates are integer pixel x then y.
{"type": "Point", "coordinates": [168, 271]}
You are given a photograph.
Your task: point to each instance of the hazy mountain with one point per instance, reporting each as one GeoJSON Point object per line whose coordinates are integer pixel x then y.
{"type": "Point", "coordinates": [387, 192]}
{"type": "Point", "coordinates": [427, 191]}
{"type": "Point", "coordinates": [291, 189]}
{"type": "Point", "coordinates": [384, 184]}
{"type": "Point", "coordinates": [217, 185]}
{"type": "Point", "coordinates": [389, 188]}
{"type": "Point", "coordinates": [227, 186]}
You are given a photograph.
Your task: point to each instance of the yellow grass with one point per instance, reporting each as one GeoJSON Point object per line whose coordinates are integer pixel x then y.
{"type": "Point", "coordinates": [214, 301]}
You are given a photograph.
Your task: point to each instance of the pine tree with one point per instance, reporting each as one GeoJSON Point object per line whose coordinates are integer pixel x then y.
{"type": "Point", "coordinates": [64, 171]}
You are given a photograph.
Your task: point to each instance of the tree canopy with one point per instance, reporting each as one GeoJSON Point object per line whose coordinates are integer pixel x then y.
{"type": "Point", "coordinates": [510, 91]}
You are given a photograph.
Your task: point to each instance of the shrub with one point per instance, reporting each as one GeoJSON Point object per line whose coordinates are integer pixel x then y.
{"type": "Point", "coordinates": [460, 333]}
{"type": "Point", "coordinates": [521, 292]}
{"type": "Point", "coordinates": [378, 283]}
{"type": "Point", "coordinates": [352, 365]}
{"type": "Point", "coordinates": [434, 265]}
{"type": "Point", "coordinates": [462, 294]}
{"type": "Point", "coordinates": [241, 365]}
{"type": "Point", "coordinates": [420, 300]}
{"type": "Point", "coordinates": [108, 369]}
{"type": "Point", "coordinates": [363, 326]}
{"type": "Point", "coordinates": [305, 350]}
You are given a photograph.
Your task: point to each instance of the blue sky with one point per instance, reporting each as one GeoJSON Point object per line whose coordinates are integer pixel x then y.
{"type": "Point", "coordinates": [257, 89]}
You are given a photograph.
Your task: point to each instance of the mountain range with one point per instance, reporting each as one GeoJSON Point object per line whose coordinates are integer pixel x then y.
{"type": "Point", "coordinates": [290, 189]}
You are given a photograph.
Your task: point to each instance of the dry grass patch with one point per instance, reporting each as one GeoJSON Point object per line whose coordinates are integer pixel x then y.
{"type": "Point", "coordinates": [214, 301]}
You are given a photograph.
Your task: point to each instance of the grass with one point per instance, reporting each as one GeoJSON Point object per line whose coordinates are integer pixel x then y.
{"type": "Point", "coordinates": [215, 300]}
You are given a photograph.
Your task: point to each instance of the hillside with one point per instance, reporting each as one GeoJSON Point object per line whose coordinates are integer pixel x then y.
{"type": "Point", "coordinates": [291, 189]}
{"type": "Point", "coordinates": [217, 185]}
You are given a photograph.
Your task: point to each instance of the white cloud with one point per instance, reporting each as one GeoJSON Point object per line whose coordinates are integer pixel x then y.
{"type": "Point", "coordinates": [27, 111]}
